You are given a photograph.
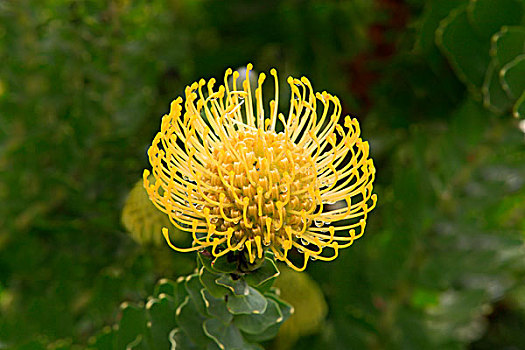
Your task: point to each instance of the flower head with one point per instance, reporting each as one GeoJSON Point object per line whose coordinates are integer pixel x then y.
{"type": "Point", "coordinates": [240, 176]}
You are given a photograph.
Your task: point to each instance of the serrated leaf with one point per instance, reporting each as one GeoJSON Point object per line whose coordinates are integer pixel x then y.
{"type": "Point", "coordinates": [216, 307]}
{"type": "Point", "coordinates": [435, 11]}
{"type": "Point", "coordinates": [162, 317]}
{"type": "Point", "coordinates": [286, 311]}
{"type": "Point", "coordinates": [225, 336]}
{"type": "Point", "coordinates": [494, 97]}
{"type": "Point", "coordinates": [175, 290]}
{"type": "Point", "coordinates": [467, 53]}
{"type": "Point", "coordinates": [518, 110]}
{"type": "Point", "coordinates": [205, 258]}
{"type": "Point", "coordinates": [138, 344]}
{"type": "Point", "coordinates": [132, 323]}
{"type": "Point", "coordinates": [251, 303]}
{"type": "Point", "coordinates": [190, 322]}
{"type": "Point", "coordinates": [267, 334]}
{"type": "Point", "coordinates": [270, 333]}
{"type": "Point", "coordinates": [193, 287]}
{"type": "Point", "coordinates": [180, 341]}
{"type": "Point", "coordinates": [486, 20]}
{"type": "Point", "coordinates": [208, 281]}
{"type": "Point", "coordinates": [166, 286]}
{"type": "Point", "coordinates": [221, 264]}
{"type": "Point", "coordinates": [512, 77]}
{"type": "Point", "coordinates": [258, 323]}
{"type": "Point", "coordinates": [508, 43]}
{"type": "Point", "coordinates": [237, 287]}
{"type": "Point", "coordinates": [265, 274]}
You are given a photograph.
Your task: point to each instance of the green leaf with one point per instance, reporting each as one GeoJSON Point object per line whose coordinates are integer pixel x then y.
{"type": "Point", "coordinates": [212, 346]}
{"type": "Point", "coordinates": [206, 259]}
{"type": "Point", "coordinates": [519, 107]}
{"type": "Point", "coordinates": [508, 43]}
{"type": "Point", "coordinates": [286, 309]}
{"type": "Point", "coordinates": [162, 317]}
{"type": "Point", "coordinates": [512, 77]}
{"type": "Point", "coordinates": [237, 287]}
{"type": "Point", "coordinates": [208, 281]}
{"type": "Point", "coordinates": [252, 302]}
{"type": "Point", "coordinates": [193, 287]}
{"type": "Point", "coordinates": [225, 336]}
{"type": "Point", "coordinates": [435, 11]}
{"type": "Point", "coordinates": [180, 341]}
{"type": "Point", "coordinates": [486, 20]}
{"type": "Point", "coordinates": [190, 322]}
{"type": "Point", "coordinates": [254, 346]}
{"type": "Point", "coordinates": [267, 334]}
{"type": "Point", "coordinates": [216, 307]}
{"type": "Point", "coordinates": [494, 97]}
{"type": "Point", "coordinates": [467, 53]}
{"type": "Point", "coordinates": [132, 323]}
{"type": "Point", "coordinates": [263, 276]}
{"type": "Point", "coordinates": [138, 344]}
{"type": "Point", "coordinates": [167, 287]}
{"type": "Point", "coordinates": [258, 323]}
{"type": "Point", "coordinates": [176, 290]}
{"type": "Point", "coordinates": [221, 264]}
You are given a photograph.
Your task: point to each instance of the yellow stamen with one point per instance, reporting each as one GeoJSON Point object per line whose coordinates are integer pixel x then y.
{"type": "Point", "coordinates": [223, 173]}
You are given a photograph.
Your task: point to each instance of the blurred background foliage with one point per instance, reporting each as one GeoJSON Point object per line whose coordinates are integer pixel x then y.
{"type": "Point", "coordinates": [438, 86]}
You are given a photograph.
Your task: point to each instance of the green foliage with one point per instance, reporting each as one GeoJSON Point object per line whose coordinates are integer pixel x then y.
{"type": "Point", "coordinates": [485, 48]}
{"type": "Point", "coordinates": [83, 85]}
{"type": "Point", "coordinates": [185, 314]}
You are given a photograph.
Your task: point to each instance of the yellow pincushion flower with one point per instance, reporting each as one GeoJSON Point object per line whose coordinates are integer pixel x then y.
{"type": "Point", "coordinates": [241, 177]}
